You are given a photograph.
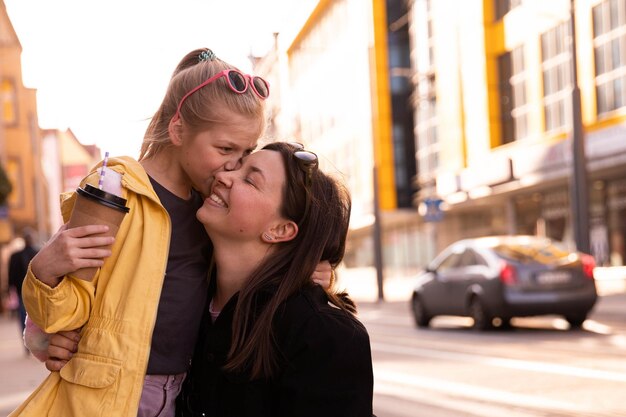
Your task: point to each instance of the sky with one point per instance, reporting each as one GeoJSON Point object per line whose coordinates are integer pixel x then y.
{"type": "Point", "coordinates": [101, 67]}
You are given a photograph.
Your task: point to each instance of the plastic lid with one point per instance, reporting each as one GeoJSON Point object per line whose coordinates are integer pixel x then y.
{"type": "Point", "coordinates": [103, 197]}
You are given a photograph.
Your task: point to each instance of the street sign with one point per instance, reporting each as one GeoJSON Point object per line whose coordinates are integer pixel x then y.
{"type": "Point", "coordinates": [431, 209]}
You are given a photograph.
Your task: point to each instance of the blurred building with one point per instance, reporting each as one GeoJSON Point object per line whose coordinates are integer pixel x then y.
{"type": "Point", "coordinates": [20, 151]}
{"type": "Point", "coordinates": [493, 112]}
{"type": "Point", "coordinates": [65, 162]}
{"type": "Point", "coordinates": [20, 139]}
{"type": "Point", "coordinates": [345, 87]}
{"type": "Point", "coordinates": [38, 164]}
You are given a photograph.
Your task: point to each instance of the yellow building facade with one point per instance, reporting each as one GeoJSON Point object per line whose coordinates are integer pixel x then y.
{"type": "Point", "coordinates": [495, 140]}
{"type": "Point", "coordinates": [340, 96]}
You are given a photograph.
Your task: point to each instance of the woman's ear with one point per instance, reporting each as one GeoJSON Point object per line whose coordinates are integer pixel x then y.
{"type": "Point", "coordinates": [283, 232]}
{"type": "Point", "coordinates": [175, 131]}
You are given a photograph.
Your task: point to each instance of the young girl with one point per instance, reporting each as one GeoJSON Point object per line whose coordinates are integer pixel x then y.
{"type": "Point", "coordinates": [140, 315]}
{"type": "Point", "coordinates": [273, 343]}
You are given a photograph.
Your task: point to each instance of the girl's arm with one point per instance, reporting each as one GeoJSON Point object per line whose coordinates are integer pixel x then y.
{"type": "Point", "coordinates": [54, 301]}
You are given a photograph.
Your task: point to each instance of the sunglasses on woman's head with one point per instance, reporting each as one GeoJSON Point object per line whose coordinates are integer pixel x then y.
{"type": "Point", "coordinates": [237, 82]}
{"type": "Point", "coordinates": [307, 161]}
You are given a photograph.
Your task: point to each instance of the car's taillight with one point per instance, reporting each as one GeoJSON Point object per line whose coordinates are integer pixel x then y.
{"type": "Point", "coordinates": [508, 274]}
{"type": "Point", "coordinates": [588, 265]}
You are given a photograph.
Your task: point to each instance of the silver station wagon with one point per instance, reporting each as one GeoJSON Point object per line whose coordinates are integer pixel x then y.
{"type": "Point", "coordinates": [492, 279]}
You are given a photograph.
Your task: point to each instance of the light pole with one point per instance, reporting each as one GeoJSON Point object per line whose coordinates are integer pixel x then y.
{"type": "Point", "coordinates": [377, 236]}
{"type": "Point", "coordinates": [579, 195]}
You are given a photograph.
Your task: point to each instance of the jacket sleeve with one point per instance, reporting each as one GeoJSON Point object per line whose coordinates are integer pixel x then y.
{"type": "Point", "coordinates": [64, 307]}
{"type": "Point", "coordinates": [329, 369]}
{"type": "Point", "coordinates": [68, 305]}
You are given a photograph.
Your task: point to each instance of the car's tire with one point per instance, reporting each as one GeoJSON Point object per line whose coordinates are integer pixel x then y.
{"type": "Point", "coordinates": [421, 317]}
{"type": "Point", "coordinates": [576, 320]}
{"type": "Point", "coordinates": [480, 315]}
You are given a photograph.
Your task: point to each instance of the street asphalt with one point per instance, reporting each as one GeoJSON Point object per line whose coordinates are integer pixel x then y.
{"type": "Point", "coordinates": [20, 373]}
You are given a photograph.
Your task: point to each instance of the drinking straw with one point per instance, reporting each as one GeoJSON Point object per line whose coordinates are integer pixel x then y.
{"type": "Point", "coordinates": [104, 164]}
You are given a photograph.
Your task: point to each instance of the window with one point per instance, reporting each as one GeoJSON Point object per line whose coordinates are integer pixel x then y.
{"type": "Point", "coordinates": [609, 44]}
{"type": "Point", "coordinates": [505, 6]}
{"type": "Point", "coordinates": [468, 258]}
{"type": "Point", "coordinates": [426, 127]}
{"type": "Point", "coordinates": [9, 102]}
{"type": "Point", "coordinates": [424, 98]}
{"type": "Point", "coordinates": [557, 80]}
{"type": "Point", "coordinates": [450, 262]}
{"type": "Point", "coordinates": [513, 101]}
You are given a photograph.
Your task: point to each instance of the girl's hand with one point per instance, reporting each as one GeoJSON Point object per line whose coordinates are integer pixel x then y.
{"type": "Point", "coordinates": [69, 250]}
{"type": "Point", "coordinates": [324, 275]}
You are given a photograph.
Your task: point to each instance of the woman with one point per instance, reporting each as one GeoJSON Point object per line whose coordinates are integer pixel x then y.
{"type": "Point", "coordinates": [273, 344]}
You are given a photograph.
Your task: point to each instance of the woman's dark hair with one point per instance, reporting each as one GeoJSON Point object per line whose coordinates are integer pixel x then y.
{"type": "Point", "coordinates": [321, 236]}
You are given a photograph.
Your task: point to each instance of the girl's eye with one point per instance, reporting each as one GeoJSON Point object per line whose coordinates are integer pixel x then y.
{"type": "Point", "coordinates": [226, 149]}
{"type": "Point", "coordinates": [249, 181]}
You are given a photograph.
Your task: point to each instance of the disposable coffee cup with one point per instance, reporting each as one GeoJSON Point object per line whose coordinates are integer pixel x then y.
{"type": "Point", "coordinates": [96, 206]}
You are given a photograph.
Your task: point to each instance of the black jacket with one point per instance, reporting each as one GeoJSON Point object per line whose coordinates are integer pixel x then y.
{"type": "Point", "coordinates": [18, 265]}
{"type": "Point", "coordinates": [325, 368]}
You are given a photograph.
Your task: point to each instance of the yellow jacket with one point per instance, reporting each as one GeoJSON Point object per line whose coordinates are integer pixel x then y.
{"type": "Point", "coordinates": [117, 309]}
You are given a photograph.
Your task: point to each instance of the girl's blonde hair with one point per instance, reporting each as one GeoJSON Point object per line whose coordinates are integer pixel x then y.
{"type": "Point", "coordinates": [204, 108]}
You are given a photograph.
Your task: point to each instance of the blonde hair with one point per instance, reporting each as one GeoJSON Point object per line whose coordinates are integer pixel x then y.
{"type": "Point", "coordinates": [204, 108]}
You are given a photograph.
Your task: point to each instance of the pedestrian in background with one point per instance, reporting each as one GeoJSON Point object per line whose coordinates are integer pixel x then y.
{"type": "Point", "coordinates": [18, 265]}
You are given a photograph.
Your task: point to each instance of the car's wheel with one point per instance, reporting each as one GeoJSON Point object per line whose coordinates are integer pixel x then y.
{"type": "Point", "coordinates": [422, 318]}
{"type": "Point", "coordinates": [576, 320]}
{"type": "Point", "coordinates": [482, 319]}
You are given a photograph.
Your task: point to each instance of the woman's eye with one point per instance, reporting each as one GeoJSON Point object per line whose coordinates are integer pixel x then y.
{"type": "Point", "coordinates": [226, 149]}
{"type": "Point", "coordinates": [249, 181]}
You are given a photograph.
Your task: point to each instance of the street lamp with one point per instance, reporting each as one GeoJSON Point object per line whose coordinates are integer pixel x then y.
{"type": "Point", "coordinates": [579, 197]}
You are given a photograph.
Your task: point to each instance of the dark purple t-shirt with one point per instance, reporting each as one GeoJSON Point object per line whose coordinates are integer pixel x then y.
{"type": "Point", "coordinates": [185, 287]}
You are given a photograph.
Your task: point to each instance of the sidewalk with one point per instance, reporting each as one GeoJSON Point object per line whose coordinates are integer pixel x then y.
{"type": "Point", "coordinates": [19, 374]}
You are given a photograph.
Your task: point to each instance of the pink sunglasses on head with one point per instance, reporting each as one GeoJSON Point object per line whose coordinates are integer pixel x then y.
{"type": "Point", "coordinates": [237, 81]}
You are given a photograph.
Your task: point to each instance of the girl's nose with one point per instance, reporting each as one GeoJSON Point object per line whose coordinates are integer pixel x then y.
{"type": "Point", "coordinates": [224, 177]}
{"type": "Point", "coordinates": [233, 164]}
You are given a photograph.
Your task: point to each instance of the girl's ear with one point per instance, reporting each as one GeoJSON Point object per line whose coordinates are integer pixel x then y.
{"type": "Point", "coordinates": [283, 232]}
{"type": "Point", "coordinates": [175, 129]}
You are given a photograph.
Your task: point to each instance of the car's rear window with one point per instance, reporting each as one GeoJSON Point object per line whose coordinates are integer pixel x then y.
{"type": "Point", "coordinates": [542, 251]}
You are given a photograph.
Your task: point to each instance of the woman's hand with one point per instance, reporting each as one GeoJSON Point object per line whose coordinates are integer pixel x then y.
{"type": "Point", "coordinates": [69, 250]}
{"type": "Point", "coordinates": [324, 275]}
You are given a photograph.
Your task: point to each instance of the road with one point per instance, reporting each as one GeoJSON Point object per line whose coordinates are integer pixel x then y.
{"type": "Point", "coordinates": [538, 368]}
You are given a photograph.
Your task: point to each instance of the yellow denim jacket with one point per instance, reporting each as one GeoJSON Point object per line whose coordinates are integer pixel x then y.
{"type": "Point", "coordinates": [117, 311]}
